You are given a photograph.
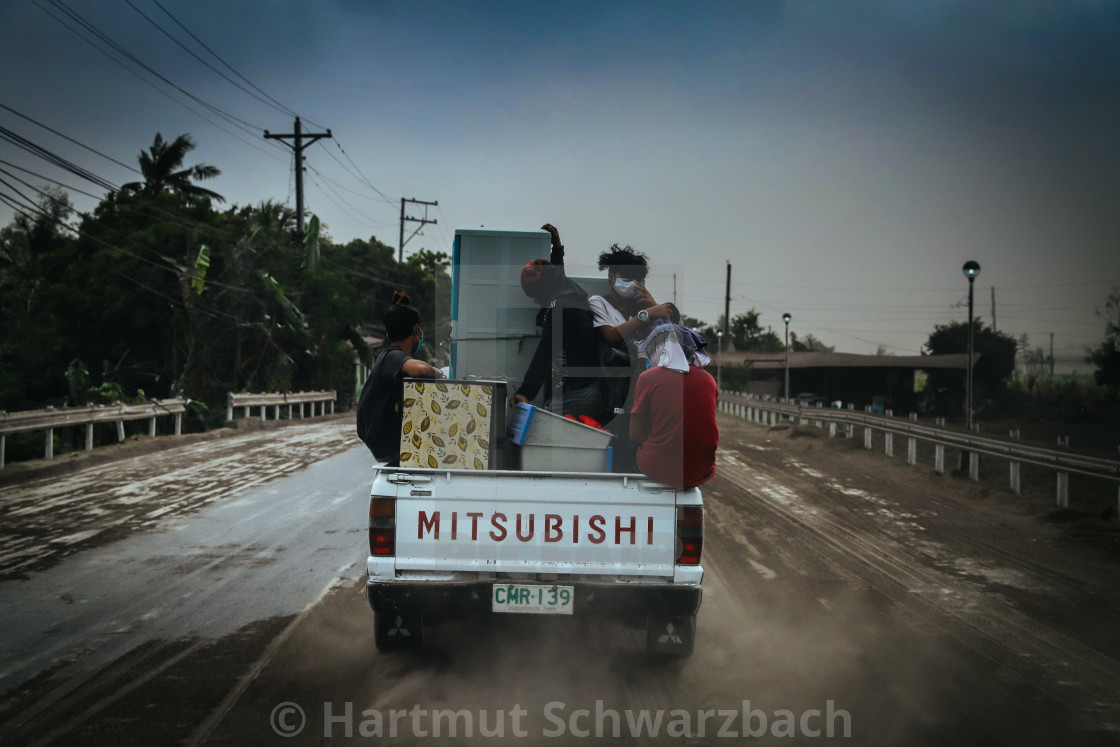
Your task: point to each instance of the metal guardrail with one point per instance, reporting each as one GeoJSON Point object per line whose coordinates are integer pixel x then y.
{"type": "Point", "coordinates": [1064, 462]}
{"type": "Point", "coordinates": [276, 400]}
{"type": "Point", "coordinates": [51, 418]}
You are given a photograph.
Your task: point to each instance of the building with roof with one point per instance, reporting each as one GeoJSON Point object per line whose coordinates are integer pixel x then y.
{"type": "Point", "coordinates": [885, 382]}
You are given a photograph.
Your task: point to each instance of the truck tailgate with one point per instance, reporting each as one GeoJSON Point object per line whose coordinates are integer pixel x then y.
{"type": "Point", "coordinates": [524, 522]}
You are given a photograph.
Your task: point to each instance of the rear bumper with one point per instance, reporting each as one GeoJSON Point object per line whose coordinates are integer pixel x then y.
{"type": "Point", "coordinates": [442, 600]}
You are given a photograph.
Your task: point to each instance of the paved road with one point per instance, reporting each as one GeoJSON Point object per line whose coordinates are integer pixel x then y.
{"type": "Point", "coordinates": [841, 592]}
{"type": "Point", "coordinates": [220, 534]}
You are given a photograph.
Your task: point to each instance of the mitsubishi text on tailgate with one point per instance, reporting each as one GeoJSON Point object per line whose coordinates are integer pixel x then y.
{"type": "Point", "coordinates": [451, 543]}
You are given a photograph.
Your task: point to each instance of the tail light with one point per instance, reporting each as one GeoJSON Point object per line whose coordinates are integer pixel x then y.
{"type": "Point", "coordinates": [690, 534]}
{"type": "Point", "coordinates": [382, 526]}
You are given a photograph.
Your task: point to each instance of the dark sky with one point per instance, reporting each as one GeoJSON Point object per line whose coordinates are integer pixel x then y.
{"type": "Point", "coordinates": [845, 157]}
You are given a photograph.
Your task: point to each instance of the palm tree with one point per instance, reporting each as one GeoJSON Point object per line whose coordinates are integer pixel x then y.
{"type": "Point", "coordinates": [161, 166]}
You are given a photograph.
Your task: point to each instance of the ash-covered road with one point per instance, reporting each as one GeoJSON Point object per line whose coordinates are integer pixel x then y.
{"type": "Point", "coordinates": [843, 595]}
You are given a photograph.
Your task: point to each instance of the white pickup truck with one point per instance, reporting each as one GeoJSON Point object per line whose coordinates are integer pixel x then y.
{"type": "Point", "coordinates": [447, 542]}
{"type": "Point", "coordinates": [452, 543]}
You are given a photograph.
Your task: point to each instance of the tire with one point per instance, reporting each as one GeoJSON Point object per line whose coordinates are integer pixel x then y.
{"type": "Point", "coordinates": [672, 636]}
{"type": "Point", "coordinates": [395, 631]}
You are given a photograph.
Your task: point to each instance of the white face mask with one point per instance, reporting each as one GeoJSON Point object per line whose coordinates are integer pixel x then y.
{"type": "Point", "coordinates": [625, 288]}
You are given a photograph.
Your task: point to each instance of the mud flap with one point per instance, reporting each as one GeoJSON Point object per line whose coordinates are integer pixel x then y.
{"type": "Point", "coordinates": [394, 631]}
{"type": "Point", "coordinates": [670, 635]}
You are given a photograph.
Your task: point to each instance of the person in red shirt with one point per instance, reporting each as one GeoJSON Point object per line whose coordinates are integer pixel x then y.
{"type": "Point", "coordinates": [673, 418]}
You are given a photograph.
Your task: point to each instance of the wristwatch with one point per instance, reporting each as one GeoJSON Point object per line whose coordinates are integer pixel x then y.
{"type": "Point", "coordinates": [643, 316]}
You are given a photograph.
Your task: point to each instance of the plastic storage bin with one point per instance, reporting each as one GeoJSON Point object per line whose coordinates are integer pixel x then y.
{"type": "Point", "coordinates": [530, 425]}
{"type": "Point", "coordinates": [553, 458]}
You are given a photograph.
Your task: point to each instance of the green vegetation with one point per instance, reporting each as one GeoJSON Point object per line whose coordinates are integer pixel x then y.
{"type": "Point", "coordinates": [994, 367]}
{"type": "Point", "coordinates": [157, 293]}
{"type": "Point", "coordinates": [1106, 356]}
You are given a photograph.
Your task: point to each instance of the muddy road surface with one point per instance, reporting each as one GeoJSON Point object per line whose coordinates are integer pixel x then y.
{"type": "Point", "coordinates": [216, 597]}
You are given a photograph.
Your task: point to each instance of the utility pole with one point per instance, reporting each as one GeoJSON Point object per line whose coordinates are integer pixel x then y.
{"type": "Point", "coordinates": [297, 145]}
{"type": "Point", "coordinates": [421, 221]}
{"type": "Point", "coordinates": [993, 308]}
{"type": "Point", "coordinates": [727, 302]}
{"type": "Point", "coordinates": [1051, 355]}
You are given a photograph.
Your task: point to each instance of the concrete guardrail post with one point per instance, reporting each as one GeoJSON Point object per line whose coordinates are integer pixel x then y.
{"type": "Point", "coordinates": [939, 458]}
{"type": "Point", "coordinates": [1063, 490]}
{"type": "Point", "coordinates": [1014, 469]}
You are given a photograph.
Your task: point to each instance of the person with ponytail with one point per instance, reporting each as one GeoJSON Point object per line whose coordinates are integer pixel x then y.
{"type": "Point", "coordinates": [379, 406]}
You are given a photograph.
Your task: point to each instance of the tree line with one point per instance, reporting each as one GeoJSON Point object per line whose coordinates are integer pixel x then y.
{"type": "Point", "coordinates": [161, 292]}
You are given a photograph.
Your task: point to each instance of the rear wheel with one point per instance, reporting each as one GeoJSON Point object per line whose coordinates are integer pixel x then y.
{"type": "Point", "coordinates": [673, 636]}
{"type": "Point", "coordinates": [394, 631]}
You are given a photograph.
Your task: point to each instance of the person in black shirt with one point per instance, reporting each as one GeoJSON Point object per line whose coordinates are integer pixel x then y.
{"type": "Point", "coordinates": [566, 362]}
{"type": "Point", "coordinates": [379, 406]}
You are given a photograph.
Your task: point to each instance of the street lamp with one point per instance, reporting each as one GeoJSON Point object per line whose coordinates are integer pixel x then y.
{"type": "Point", "coordinates": [786, 318]}
{"type": "Point", "coordinates": [719, 362]}
{"type": "Point", "coordinates": [971, 270]}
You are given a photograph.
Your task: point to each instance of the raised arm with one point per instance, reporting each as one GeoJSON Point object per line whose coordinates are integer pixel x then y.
{"type": "Point", "coordinates": [557, 256]}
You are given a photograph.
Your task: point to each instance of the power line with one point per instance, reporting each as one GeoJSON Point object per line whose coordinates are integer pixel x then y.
{"type": "Point", "coordinates": [137, 75]}
{"type": "Point", "coordinates": [106, 45]}
{"type": "Point", "coordinates": [363, 178]}
{"type": "Point", "coordinates": [106, 39]}
{"type": "Point", "coordinates": [164, 265]}
{"type": "Point", "coordinates": [54, 159]}
{"type": "Point", "coordinates": [350, 215]}
{"type": "Point", "coordinates": [72, 140]}
{"type": "Point", "coordinates": [216, 56]}
{"type": "Point", "coordinates": [326, 178]}
{"type": "Point", "coordinates": [266, 102]}
{"type": "Point", "coordinates": [47, 178]}
{"type": "Point", "coordinates": [61, 162]}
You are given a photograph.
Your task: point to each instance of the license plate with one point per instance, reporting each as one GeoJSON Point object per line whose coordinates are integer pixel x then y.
{"type": "Point", "coordinates": [535, 599]}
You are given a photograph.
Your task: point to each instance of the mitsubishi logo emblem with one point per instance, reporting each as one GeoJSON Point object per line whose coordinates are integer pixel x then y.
{"type": "Point", "coordinates": [668, 637]}
{"type": "Point", "coordinates": [399, 628]}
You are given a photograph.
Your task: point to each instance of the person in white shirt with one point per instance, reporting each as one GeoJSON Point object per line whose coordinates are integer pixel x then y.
{"type": "Point", "coordinates": [622, 317]}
